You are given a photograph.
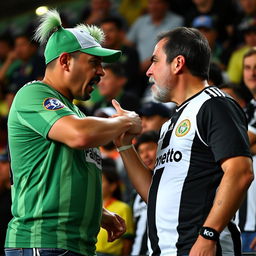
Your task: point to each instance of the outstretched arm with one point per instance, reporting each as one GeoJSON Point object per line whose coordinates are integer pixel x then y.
{"type": "Point", "coordinates": [93, 131]}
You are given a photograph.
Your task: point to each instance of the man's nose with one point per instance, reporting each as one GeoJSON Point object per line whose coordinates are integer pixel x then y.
{"type": "Point", "coordinates": [149, 71]}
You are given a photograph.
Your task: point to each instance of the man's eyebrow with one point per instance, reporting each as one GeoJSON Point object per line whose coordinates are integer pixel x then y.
{"type": "Point", "coordinates": [153, 58]}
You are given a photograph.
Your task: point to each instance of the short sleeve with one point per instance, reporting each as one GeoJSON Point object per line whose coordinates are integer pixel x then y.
{"type": "Point", "coordinates": [39, 107]}
{"type": "Point", "coordinates": [223, 127]}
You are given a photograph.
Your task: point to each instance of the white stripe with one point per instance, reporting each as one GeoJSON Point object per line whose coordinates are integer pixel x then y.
{"type": "Point", "coordinates": [211, 92]}
{"type": "Point", "coordinates": [226, 243]}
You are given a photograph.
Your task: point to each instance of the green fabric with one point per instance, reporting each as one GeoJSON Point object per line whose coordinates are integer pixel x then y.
{"type": "Point", "coordinates": [57, 200]}
{"type": "Point", "coordinates": [63, 40]}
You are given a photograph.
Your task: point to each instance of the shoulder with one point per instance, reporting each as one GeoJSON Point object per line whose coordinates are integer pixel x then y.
{"type": "Point", "coordinates": [142, 20]}
{"type": "Point", "coordinates": [33, 88]}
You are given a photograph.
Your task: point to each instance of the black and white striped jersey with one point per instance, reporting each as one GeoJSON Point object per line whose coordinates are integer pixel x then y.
{"type": "Point", "coordinates": [140, 246]}
{"type": "Point", "coordinates": [205, 129]}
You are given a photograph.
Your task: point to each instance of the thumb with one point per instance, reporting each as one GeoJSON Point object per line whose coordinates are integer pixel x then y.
{"type": "Point", "coordinates": [117, 106]}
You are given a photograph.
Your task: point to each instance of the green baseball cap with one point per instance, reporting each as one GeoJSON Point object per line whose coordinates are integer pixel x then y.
{"type": "Point", "coordinates": [75, 39]}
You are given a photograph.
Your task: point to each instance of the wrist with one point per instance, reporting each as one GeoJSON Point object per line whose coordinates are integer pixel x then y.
{"type": "Point", "coordinates": [209, 233]}
{"type": "Point", "coordinates": [125, 147]}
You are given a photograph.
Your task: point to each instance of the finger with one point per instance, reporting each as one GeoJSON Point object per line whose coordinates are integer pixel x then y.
{"type": "Point", "coordinates": [117, 106]}
{"type": "Point", "coordinates": [110, 236]}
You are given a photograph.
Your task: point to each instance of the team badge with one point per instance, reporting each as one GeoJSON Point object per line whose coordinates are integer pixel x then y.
{"type": "Point", "coordinates": [53, 104]}
{"type": "Point", "coordinates": [183, 128]}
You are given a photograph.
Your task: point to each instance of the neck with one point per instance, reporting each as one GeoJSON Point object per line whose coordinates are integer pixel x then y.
{"type": "Point", "coordinates": [188, 87]}
{"type": "Point", "coordinates": [54, 81]}
{"type": "Point", "coordinates": [157, 19]}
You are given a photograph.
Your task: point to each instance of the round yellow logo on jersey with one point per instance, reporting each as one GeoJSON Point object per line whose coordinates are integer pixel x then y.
{"type": "Point", "coordinates": [183, 128]}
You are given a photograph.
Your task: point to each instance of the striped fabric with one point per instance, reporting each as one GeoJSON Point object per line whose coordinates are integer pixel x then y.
{"type": "Point", "coordinates": [57, 190]}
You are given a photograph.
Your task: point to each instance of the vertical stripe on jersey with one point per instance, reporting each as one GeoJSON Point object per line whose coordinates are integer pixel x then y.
{"type": "Point", "coordinates": [235, 234]}
{"type": "Point", "coordinates": [243, 213]}
{"type": "Point", "coordinates": [198, 190]}
{"type": "Point", "coordinates": [144, 243]}
{"type": "Point", "coordinates": [92, 207]}
{"type": "Point", "coordinates": [153, 236]}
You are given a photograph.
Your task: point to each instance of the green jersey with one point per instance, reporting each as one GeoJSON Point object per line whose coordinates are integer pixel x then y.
{"type": "Point", "coordinates": [56, 192]}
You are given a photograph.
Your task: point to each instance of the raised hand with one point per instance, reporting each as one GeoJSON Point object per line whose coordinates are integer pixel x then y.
{"type": "Point", "coordinates": [134, 118]}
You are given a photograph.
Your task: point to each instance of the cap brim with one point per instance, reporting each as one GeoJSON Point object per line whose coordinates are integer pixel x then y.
{"type": "Point", "coordinates": [108, 55]}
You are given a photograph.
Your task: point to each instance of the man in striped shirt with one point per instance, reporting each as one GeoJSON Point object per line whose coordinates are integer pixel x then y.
{"type": "Point", "coordinates": [203, 166]}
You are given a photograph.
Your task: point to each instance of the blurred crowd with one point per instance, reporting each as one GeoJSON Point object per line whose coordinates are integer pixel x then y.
{"type": "Point", "coordinates": [132, 26]}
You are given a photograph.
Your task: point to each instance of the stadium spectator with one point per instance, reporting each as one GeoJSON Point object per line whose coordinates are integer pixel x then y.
{"type": "Point", "coordinates": [97, 10]}
{"type": "Point", "coordinates": [247, 212]}
{"type": "Point", "coordinates": [112, 201]}
{"type": "Point", "coordinates": [146, 146]}
{"type": "Point", "coordinates": [132, 9]}
{"type": "Point", "coordinates": [205, 24]}
{"type": "Point", "coordinates": [223, 13]}
{"type": "Point", "coordinates": [5, 186]}
{"type": "Point", "coordinates": [111, 86]}
{"type": "Point", "coordinates": [154, 115]}
{"type": "Point", "coordinates": [113, 28]}
{"type": "Point", "coordinates": [144, 31]}
{"type": "Point", "coordinates": [235, 67]}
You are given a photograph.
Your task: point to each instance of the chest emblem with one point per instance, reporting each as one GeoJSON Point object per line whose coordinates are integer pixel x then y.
{"type": "Point", "coordinates": [183, 128]}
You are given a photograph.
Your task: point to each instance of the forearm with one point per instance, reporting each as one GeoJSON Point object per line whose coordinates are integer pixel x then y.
{"type": "Point", "coordinates": [88, 132]}
{"type": "Point", "coordinates": [229, 195]}
{"type": "Point", "coordinates": [139, 174]}
{"type": "Point", "coordinates": [100, 131]}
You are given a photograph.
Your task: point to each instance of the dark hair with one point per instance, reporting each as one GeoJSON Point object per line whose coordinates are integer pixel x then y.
{"type": "Point", "coordinates": [7, 39]}
{"type": "Point", "coordinates": [116, 21]}
{"type": "Point", "coordinates": [116, 68]}
{"type": "Point", "coordinates": [110, 173]}
{"type": "Point", "coordinates": [29, 37]}
{"type": "Point", "coordinates": [241, 91]}
{"type": "Point", "coordinates": [250, 52]}
{"type": "Point", "coordinates": [191, 44]}
{"type": "Point", "coordinates": [149, 136]}
{"type": "Point", "coordinates": [215, 74]}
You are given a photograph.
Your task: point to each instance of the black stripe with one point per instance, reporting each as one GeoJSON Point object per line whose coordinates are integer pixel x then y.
{"type": "Point", "coordinates": [151, 213]}
{"type": "Point", "coordinates": [219, 250]}
{"type": "Point", "coordinates": [166, 140]}
{"type": "Point", "coordinates": [144, 243]}
{"type": "Point", "coordinates": [243, 214]}
{"type": "Point", "coordinates": [235, 234]}
{"type": "Point", "coordinates": [198, 190]}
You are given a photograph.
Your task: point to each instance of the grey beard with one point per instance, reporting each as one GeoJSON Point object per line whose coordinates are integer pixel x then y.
{"type": "Point", "coordinates": [161, 94]}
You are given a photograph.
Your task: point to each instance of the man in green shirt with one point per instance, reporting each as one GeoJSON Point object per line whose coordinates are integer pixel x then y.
{"type": "Point", "coordinates": [56, 165]}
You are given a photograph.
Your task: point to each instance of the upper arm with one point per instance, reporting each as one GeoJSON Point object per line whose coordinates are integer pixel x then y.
{"type": "Point", "coordinates": [38, 108]}
{"type": "Point", "coordinates": [239, 169]}
{"type": "Point", "coordinates": [65, 130]}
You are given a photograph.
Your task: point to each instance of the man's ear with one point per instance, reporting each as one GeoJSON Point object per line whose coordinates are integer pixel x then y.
{"type": "Point", "coordinates": [64, 60]}
{"type": "Point", "coordinates": [179, 63]}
